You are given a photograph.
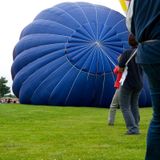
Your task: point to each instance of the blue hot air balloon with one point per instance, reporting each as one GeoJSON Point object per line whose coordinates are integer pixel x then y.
{"type": "Point", "coordinates": [65, 57]}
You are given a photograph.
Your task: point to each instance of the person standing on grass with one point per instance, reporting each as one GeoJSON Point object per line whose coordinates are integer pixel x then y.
{"type": "Point", "coordinates": [115, 100]}
{"type": "Point", "coordinates": [143, 20]}
{"type": "Point", "coordinates": [131, 88]}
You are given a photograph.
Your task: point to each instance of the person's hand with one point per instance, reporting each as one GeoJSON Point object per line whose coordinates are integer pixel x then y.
{"type": "Point", "coordinates": [121, 69]}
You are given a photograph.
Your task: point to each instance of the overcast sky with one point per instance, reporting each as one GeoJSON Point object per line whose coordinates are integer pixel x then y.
{"type": "Point", "coordinates": [16, 14]}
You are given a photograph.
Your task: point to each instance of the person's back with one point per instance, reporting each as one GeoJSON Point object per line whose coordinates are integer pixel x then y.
{"type": "Point", "coordinates": [146, 16]}
{"type": "Point", "coordinates": [134, 79]}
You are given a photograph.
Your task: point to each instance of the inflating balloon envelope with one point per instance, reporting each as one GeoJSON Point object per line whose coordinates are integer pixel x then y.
{"type": "Point", "coordinates": [66, 56]}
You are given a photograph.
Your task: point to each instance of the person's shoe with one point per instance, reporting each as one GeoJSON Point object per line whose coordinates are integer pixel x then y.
{"type": "Point", "coordinates": [110, 124]}
{"type": "Point", "coordinates": [132, 133]}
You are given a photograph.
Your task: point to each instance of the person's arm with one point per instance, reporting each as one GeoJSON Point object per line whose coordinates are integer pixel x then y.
{"type": "Point", "coordinates": [116, 69]}
{"type": "Point", "coordinates": [121, 69]}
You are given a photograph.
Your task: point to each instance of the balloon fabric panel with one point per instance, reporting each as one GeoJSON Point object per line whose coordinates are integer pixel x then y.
{"type": "Point", "coordinates": [66, 56]}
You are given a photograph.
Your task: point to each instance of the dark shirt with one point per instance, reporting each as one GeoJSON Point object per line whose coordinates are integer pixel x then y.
{"type": "Point", "coordinates": [146, 26]}
{"type": "Point", "coordinates": [134, 79]}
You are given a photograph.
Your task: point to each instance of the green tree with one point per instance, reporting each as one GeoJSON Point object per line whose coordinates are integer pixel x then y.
{"type": "Point", "coordinates": [4, 89]}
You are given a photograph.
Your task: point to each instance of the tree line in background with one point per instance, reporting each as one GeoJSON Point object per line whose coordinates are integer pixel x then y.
{"type": "Point", "coordinates": [4, 89]}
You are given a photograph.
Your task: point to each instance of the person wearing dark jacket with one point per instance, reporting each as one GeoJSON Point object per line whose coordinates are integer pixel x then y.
{"type": "Point", "coordinates": [131, 88]}
{"type": "Point", "coordinates": [143, 20]}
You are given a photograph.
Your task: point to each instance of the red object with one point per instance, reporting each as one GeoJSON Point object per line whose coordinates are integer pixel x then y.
{"type": "Point", "coordinates": [119, 75]}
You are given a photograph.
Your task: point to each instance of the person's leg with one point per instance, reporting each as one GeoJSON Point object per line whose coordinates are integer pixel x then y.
{"type": "Point", "coordinates": [125, 101]}
{"type": "Point", "coordinates": [153, 137]}
{"type": "Point", "coordinates": [135, 106]}
{"type": "Point", "coordinates": [114, 105]}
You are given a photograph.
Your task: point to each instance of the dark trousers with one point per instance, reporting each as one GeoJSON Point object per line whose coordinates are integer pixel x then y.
{"type": "Point", "coordinates": [130, 109]}
{"type": "Point", "coordinates": [153, 137]}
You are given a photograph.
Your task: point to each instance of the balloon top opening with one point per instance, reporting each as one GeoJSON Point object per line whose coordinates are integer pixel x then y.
{"type": "Point", "coordinates": [97, 43]}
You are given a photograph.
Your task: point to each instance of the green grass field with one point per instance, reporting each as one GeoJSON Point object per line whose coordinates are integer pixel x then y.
{"type": "Point", "coordinates": [30, 132]}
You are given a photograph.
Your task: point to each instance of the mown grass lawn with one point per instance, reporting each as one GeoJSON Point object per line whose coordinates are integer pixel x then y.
{"type": "Point", "coordinates": [30, 132]}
